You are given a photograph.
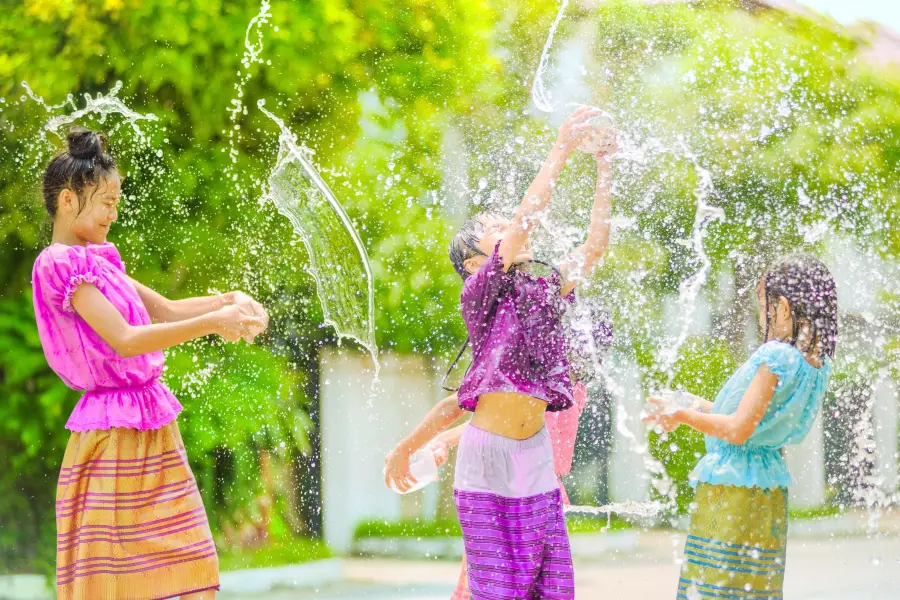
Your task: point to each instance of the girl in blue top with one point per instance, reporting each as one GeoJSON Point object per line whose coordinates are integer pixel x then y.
{"type": "Point", "coordinates": [736, 543]}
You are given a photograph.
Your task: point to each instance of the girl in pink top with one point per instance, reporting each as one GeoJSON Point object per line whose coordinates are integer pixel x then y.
{"type": "Point", "coordinates": [129, 516]}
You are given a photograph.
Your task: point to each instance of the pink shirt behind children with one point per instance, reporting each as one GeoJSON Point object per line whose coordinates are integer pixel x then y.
{"type": "Point", "coordinates": [563, 428]}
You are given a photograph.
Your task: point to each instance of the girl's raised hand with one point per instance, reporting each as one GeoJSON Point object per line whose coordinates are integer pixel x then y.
{"type": "Point", "coordinates": [233, 324]}
{"type": "Point", "coordinates": [574, 130]}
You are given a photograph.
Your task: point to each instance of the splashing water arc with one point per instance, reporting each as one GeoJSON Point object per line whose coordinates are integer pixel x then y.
{"type": "Point", "coordinates": [101, 105]}
{"type": "Point", "coordinates": [539, 93]}
{"type": "Point", "coordinates": [338, 261]}
{"type": "Point", "coordinates": [689, 289]}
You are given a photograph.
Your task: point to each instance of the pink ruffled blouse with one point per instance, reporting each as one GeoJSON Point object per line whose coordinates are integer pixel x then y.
{"type": "Point", "coordinates": [119, 392]}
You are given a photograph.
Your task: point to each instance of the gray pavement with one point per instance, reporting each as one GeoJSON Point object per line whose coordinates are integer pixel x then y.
{"type": "Point", "coordinates": [817, 569]}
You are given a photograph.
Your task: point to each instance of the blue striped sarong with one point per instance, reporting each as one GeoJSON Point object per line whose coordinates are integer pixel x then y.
{"type": "Point", "coordinates": [735, 548]}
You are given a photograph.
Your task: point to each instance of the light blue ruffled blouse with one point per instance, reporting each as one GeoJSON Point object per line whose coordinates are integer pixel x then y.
{"type": "Point", "coordinates": [797, 399]}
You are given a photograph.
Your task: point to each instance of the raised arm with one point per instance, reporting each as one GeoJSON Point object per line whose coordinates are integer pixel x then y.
{"type": "Point", "coordinates": [583, 259]}
{"type": "Point", "coordinates": [539, 193]}
{"type": "Point", "coordinates": [129, 340]}
{"type": "Point", "coordinates": [734, 429]}
{"type": "Point", "coordinates": [396, 463]}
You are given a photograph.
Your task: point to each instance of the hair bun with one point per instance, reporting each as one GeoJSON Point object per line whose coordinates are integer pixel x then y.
{"type": "Point", "coordinates": [84, 143]}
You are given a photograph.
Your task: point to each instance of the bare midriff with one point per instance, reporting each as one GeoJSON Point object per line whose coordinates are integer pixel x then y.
{"type": "Point", "coordinates": [511, 415]}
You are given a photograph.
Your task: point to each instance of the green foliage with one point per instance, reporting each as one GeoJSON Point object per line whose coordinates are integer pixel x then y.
{"type": "Point", "coordinates": [33, 412]}
{"type": "Point", "coordinates": [408, 528]}
{"type": "Point", "coordinates": [584, 524]}
{"type": "Point", "coordinates": [823, 512]}
{"type": "Point", "coordinates": [288, 551]}
{"type": "Point", "coordinates": [417, 528]}
{"type": "Point", "coordinates": [323, 62]}
{"type": "Point", "coordinates": [238, 400]}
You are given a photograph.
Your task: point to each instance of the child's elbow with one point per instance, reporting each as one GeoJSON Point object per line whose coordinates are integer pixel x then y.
{"type": "Point", "coordinates": [741, 435]}
{"type": "Point", "coordinates": [593, 255]}
{"type": "Point", "coordinates": [125, 351]}
{"type": "Point", "coordinates": [740, 440]}
{"type": "Point", "coordinates": [450, 407]}
{"type": "Point", "coordinates": [125, 346]}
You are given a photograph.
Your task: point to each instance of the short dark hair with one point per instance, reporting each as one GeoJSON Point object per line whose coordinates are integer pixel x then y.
{"type": "Point", "coordinates": [84, 162]}
{"type": "Point", "coordinates": [809, 288]}
{"type": "Point", "coordinates": [464, 244]}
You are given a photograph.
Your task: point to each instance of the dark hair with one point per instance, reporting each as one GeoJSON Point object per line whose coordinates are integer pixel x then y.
{"type": "Point", "coordinates": [464, 244]}
{"type": "Point", "coordinates": [83, 163]}
{"type": "Point", "coordinates": [810, 291]}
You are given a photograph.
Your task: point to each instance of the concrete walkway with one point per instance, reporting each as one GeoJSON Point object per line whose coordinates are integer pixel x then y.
{"type": "Point", "coordinates": [817, 569]}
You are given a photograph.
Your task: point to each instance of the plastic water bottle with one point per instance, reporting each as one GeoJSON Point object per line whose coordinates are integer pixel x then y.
{"type": "Point", "coordinates": [602, 135]}
{"type": "Point", "coordinates": [423, 468]}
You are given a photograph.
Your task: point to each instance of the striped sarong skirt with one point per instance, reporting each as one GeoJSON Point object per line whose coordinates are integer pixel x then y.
{"type": "Point", "coordinates": [736, 544]}
{"type": "Point", "coordinates": [129, 517]}
{"type": "Point", "coordinates": [462, 585]}
{"type": "Point", "coordinates": [511, 512]}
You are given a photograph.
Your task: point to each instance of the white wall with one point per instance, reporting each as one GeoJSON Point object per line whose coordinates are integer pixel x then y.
{"type": "Point", "coordinates": [628, 476]}
{"type": "Point", "coordinates": [885, 418]}
{"type": "Point", "coordinates": [359, 426]}
{"type": "Point", "coordinates": [806, 463]}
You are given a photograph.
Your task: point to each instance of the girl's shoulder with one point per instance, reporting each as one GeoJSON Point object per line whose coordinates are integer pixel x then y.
{"type": "Point", "coordinates": [785, 361]}
{"type": "Point", "coordinates": [59, 270]}
{"type": "Point", "coordinates": [63, 257]}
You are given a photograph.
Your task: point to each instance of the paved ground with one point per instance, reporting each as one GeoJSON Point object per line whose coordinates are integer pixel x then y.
{"type": "Point", "coordinates": [817, 569]}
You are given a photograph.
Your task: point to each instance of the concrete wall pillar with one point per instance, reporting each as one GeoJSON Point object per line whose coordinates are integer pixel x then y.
{"type": "Point", "coordinates": [628, 477]}
{"type": "Point", "coordinates": [360, 424]}
{"type": "Point", "coordinates": [885, 414]}
{"type": "Point", "coordinates": [806, 463]}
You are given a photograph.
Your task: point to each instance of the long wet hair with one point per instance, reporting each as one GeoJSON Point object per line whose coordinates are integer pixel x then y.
{"type": "Point", "coordinates": [83, 163]}
{"type": "Point", "coordinates": [464, 244]}
{"type": "Point", "coordinates": [811, 293]}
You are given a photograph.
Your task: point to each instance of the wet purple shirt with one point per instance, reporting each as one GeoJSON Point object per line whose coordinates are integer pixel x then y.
{"type": "Point", "coordinates": [518, 342]}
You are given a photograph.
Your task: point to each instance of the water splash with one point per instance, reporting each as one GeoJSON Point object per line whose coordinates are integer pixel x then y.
{"type": "Point", "coordinates": [69, 101]}
{"type": "Point", "coordinates": [338, 261]}
{"type": "Point", "coordinates": [659, 478]}
{"type": "Point", "coordinates": [101, 105]}
{"type": "Point", "coordinates": [252, 55]}
{"type": "Point", "coordinates": [704, 215]}
{"type": "Point", "coordinates": [540, 95]}
{"type": "Point", "coordinates": [631, 508]}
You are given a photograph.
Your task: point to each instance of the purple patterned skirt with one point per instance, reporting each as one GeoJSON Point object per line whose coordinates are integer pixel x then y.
{"type": "Point", "coordinates": [511, 512]}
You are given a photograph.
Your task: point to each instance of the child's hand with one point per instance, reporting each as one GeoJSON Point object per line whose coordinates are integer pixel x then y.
{"type": "Point", "coordinates": [441, 451]}
{"type": "Point", "coordinates": [574, 130]}
{"type": "Point", "coordinates": [396, 470]}
{"type": "Point", "coordinates": [250, 306]}
{"type": "Point", "coordinates": [233, 324]}
{"type": "Point", "coordinates": [661, 413]}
